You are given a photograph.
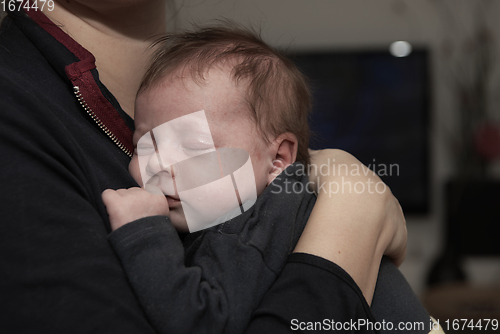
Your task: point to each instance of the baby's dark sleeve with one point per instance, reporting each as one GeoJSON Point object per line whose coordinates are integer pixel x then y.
{"type": "Point", "coordinates": [213, 280]}
{"type": "Point", "coordinates": [175, 298]}
{"type": "Point", "coordinates": [213, 290]}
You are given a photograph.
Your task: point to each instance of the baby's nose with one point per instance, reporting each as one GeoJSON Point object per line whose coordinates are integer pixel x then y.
{"type": "Point", "coordinates": [156, 165]}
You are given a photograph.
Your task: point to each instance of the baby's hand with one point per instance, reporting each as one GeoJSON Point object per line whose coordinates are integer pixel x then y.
{"type": "Point", "coordinates": [127, 205]}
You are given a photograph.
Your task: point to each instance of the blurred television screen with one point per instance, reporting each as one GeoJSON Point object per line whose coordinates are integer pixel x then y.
{"type": "Point", "coordinates": [375, 106]}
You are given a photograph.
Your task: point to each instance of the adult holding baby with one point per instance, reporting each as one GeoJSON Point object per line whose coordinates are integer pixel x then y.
{"type": "Point", "coordinates": [60, 273]}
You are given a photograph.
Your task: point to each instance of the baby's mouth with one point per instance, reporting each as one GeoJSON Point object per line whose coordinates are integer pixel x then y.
{"type": "Point", "coordinates": [173, 201]}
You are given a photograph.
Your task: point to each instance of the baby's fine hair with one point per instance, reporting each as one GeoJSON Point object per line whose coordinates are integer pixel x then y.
{"type": "Point", "coordinates": [277, 92]}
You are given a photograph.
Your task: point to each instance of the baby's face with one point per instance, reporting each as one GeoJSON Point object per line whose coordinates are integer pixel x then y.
{"type": "Point", "coordinates": [216, 102]}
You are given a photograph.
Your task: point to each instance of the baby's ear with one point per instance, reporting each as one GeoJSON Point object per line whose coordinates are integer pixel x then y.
{"type": "Point", "coordinates": [284, 148]}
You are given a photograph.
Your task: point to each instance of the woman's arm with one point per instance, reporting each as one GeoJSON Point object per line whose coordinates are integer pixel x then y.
{"type": "Point", "coordinates": [330, 277]}
{"type": "Point", "coordinates": [355, 221]}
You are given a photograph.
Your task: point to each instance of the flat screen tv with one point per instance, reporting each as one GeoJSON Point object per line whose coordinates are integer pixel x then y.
{"type": "Point", "coordinates": [375, 106]}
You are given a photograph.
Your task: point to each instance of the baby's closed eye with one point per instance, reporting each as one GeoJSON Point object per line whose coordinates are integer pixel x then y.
{"type": "Point", "coordinates": [144, 149]}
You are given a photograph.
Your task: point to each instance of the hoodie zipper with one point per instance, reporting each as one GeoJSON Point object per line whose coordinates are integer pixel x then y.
{"type": "Point", "coordinates": [96, 119]}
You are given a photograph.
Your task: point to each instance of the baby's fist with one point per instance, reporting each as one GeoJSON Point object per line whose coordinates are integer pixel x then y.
{"type": "Point", "coordinates": [127, 205]}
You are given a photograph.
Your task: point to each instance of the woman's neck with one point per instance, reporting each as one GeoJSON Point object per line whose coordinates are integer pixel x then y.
{"type": "Point", "coordinates": [118, 35]}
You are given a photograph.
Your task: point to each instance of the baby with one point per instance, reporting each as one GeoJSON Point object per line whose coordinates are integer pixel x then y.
{"type": "Point", "coordinates": [218, 88]}
{"type": "Point", "coordinates": [218, 104]}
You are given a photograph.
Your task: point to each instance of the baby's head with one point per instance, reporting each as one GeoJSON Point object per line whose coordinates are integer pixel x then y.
{"type": "Point", "coordinates": [251, 96]}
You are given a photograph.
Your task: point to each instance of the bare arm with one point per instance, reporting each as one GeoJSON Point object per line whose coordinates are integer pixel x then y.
{"type": "Point", "coordinates": [353, 227]}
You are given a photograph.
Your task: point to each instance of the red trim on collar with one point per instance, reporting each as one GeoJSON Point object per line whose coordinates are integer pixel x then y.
{"type": "Point", "coordinates": [79, 74]}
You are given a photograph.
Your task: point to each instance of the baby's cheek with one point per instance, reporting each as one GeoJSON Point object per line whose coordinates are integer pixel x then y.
{"type": "Point", "coordinates": [134, 170]}
{"type": "Point", "coordinates": [260, 176]}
